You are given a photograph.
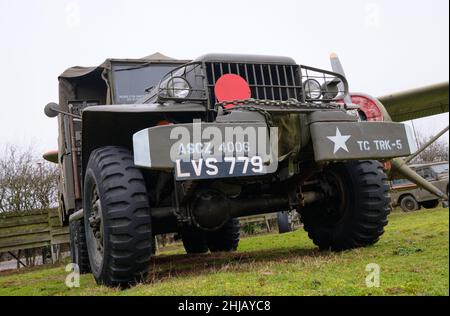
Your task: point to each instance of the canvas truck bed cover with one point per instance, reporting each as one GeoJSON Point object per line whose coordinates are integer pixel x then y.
{"type": "Point", "coordinates": [91, 83]}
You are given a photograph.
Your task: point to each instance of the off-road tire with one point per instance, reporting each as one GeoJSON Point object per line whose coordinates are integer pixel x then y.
{"type": "Point", "coordinates": [78, 248]}
{"type": "Point", "coordinates": [430, 204]}
{"type": "Point", "coordinates": [194, 240]}
{"type": "Point", "coordinates": [226, 238]}
{"type": "Point", "coordinates": [363, 204]}
{"type": "Point", "coordinates": [409, 204]}
{"type": "Point", "coordinates": [284, 226]}
{"type": "Point", "coordinates": [125, 218]}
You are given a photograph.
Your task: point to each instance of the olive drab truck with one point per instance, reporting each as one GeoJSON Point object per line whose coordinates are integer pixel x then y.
{"type": "Point", "coordinates": [411, 197]}
{"type": "Point", "coordinates": [157, 145]}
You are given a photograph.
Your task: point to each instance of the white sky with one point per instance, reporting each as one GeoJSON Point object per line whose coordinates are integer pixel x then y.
{"type": "Point", "coordinates": [385, 46]}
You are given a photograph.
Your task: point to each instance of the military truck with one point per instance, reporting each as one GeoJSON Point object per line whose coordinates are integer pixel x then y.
{"type": "Point", "coordinates": [157, 145]}
{"type": "Point", "coordinates": [410, 197]}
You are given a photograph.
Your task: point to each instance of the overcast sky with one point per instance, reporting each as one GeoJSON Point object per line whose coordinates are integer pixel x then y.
{"type": "Point", "coordinates": [385, 46]}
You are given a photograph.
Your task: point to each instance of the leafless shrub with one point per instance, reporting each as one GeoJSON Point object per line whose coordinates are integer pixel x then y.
{"type": "Point", "coordinates": [26, 182]}
{"type": "Point", "coordinates": [436, 152]}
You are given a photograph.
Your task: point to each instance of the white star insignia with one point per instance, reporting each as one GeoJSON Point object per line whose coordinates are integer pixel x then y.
{"type": "Point", "coordinates": [339, 141]}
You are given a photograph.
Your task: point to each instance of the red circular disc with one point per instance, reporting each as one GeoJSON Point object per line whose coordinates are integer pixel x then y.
{"type": "Point", "coordinates": [231, 87]}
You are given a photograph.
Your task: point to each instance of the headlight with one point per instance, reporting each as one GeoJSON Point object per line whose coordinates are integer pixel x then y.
{"type": "Point", "coordinates": [178, 87]}
{"type": "Point", "coordinates": [313, 89]}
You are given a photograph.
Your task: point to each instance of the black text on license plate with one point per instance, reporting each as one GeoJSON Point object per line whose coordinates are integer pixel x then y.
{"type": "Point", "coordinates": [207, 168]}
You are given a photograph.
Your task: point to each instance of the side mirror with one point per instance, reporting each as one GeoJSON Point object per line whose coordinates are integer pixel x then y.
{"type": "Point", "coordinates": [52, 109]}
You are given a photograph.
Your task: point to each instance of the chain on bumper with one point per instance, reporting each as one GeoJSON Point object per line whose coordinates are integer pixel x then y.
{"type": "Point", "coordinates": [260, 106]}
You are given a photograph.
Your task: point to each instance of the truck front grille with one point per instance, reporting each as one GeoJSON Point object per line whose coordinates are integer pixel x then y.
{"type": "Point", "coordinates": [266, 81]}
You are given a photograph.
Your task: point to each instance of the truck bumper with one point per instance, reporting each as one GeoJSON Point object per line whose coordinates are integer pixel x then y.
{"type": "Point", "coordinates": [337, 141]}
{"type": "Point", "coordinates": [202, 150]}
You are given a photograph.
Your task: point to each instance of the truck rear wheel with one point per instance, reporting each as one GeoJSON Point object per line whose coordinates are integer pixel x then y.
{"type": "Point", "coordinates": [226, 238]}
{"type": "Point", "coordinates": [117, 218]}
{"type": "Point", "coordinates": [78, 247]}
{"type": "Point", "coordinates": [194, 240]}
{"type": "Point", "coordinates": [355, 208]}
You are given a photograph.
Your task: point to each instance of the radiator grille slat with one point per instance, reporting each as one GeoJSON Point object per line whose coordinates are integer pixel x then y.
{"type": "Point", "coordinates": [266, 81]}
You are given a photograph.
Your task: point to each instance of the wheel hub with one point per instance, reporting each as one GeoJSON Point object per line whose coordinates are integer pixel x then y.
{"type": "Point", "coordinates": [334, 203]}
{"type": "Point", "coordinates": [409, 205]}
{"type": "Point", "coordinates": [95, 220]}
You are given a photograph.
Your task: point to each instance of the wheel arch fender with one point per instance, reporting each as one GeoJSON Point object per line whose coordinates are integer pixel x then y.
{"type": "Point", "coordinates": [114, 125]}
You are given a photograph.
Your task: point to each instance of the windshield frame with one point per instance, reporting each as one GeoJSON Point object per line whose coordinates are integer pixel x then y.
{"type": "Point", "coordinates": [134, 65]}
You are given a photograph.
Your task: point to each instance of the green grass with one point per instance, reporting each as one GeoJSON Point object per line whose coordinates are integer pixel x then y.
{"type": "Point", "coordinates": [413, 256]}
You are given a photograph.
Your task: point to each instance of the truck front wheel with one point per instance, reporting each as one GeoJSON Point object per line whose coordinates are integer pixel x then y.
{"type": "Point", "coordinates": [117, 218]}
{"type": "Point", "coordinates": [355, 208]}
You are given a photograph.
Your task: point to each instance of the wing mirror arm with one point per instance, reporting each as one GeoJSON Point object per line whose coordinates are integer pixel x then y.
{"type": "Point", "coordinates": [53, 109]}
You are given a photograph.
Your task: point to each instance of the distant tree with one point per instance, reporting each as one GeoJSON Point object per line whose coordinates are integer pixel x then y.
{"type": "Point", "coordinates": [436, 152]}
{"type": "Point", "coordinates": [26, 182]}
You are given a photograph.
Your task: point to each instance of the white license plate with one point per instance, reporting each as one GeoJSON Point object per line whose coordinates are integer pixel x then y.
{"type": "Point", "coordinates": [208, 168]}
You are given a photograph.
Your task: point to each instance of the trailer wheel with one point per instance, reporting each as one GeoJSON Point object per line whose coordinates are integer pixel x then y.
{"type": "Point", "coordinates": [226, 238]}
{"type": "Point", "coordinates": [409, 204]}
{"type": "Point", "coordinates": [355, 209]}
{"type": "Point", "coordinates": [78, 247]}
{"type": "Point", "coordinates": [283, 222]}
{"type": "Point", "coordinates": [117, 218]}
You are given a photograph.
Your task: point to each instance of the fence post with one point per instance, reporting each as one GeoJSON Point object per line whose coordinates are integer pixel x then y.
{"type": "Point", "coordinates": [266, 219]}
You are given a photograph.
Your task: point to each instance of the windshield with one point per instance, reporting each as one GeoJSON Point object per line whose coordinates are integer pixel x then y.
{"type": "Point", "coordinates": [401, 182]}
{"type": "Point", "coordinates": [131, 80]}
{"type": "Point", "coordinates": [440, 168]}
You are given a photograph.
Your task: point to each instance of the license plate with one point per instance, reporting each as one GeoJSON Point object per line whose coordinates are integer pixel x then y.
{"type": "Point", "coordinates": [209, 168]}
{"type": "Point", "coordinates": [208, 150]}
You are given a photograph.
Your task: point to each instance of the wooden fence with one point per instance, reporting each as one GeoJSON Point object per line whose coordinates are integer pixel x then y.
{"type": "Point", "coordinates": [35, 230]}
{"type": "Point", "coordinates": [262, 218]}
{"type": "Point", "coordinates": [42, 228]}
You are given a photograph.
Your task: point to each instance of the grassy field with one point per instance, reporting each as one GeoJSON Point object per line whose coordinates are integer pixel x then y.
{"type": "Point", "coordinates": [413, 256]}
